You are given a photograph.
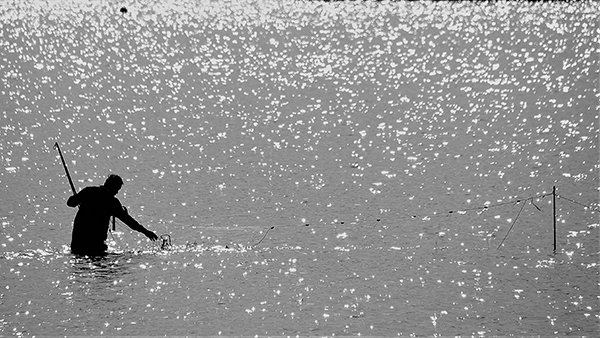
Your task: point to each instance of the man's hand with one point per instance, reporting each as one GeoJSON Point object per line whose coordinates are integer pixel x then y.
{"type": "Point", "coordinates": [151, 235]}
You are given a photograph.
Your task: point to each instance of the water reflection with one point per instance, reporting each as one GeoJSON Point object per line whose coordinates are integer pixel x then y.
{"type": "Point", "coordinates": [98, 279]}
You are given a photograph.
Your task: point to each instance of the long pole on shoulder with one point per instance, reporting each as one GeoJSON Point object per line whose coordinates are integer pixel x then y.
{"type": "Point", "coordinates": [57, 147]}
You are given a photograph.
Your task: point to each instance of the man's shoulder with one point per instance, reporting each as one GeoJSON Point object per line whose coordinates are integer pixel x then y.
{"type": "Point", "coordinates": [97, 192]}
{"type": "Point", "coordinates": [90, 190]}
{"type": "Point", "coordinates": [98, 188]}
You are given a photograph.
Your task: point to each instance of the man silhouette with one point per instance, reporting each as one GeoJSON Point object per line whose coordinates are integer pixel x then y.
{"type": "Point", "coordinates": [96, 205]}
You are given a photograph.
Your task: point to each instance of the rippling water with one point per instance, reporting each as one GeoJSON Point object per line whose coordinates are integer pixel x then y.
{"type": "Point", "coordinates": [322, 168]}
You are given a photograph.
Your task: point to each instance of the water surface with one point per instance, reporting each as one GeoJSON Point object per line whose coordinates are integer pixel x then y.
{"type": "Point", "coordinates": [322, 168]}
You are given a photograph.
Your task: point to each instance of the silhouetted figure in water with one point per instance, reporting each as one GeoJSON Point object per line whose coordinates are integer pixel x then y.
{"type": "Point", "coordinates": [96, 206]}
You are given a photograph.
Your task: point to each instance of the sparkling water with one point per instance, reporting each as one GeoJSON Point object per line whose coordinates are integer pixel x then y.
{"type": "Point", "coordinates": [346, 168]}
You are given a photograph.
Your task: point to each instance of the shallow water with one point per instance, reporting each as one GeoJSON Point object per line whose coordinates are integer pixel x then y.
{"type": "Point", "coordinates": [322, 168]}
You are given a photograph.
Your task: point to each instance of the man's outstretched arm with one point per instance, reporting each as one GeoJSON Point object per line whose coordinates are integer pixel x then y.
{"type": "Point", "coordinates": [135, 225]}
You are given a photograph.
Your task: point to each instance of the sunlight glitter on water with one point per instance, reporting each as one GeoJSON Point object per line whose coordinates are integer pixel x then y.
{"type": "Point", "coordinates": [349, 129]}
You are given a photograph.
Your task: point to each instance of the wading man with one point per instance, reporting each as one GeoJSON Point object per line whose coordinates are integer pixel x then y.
{"type": "Point", "coordinates": [96, 206]}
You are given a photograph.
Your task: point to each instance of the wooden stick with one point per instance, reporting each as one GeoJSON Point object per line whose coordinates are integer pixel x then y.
{"type": "Point", "coordinates": [554, 214]}
{"type": "Point", "coordinates": [65, 166]}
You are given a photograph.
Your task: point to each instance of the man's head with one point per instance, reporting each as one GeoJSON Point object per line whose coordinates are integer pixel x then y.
{"type": "Point", "coordinates": [113, 183]}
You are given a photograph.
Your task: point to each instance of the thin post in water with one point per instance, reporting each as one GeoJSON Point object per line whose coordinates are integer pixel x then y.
{"type": "Point", "coordinates": [554, 213]}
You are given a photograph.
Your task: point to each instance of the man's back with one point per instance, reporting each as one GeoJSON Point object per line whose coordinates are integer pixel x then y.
{"type": "Point", "coordinates": [96, 206]}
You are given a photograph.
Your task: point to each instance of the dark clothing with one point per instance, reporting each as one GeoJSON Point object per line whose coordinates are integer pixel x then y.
{"type": "Point", "coordinates": [90, 228]}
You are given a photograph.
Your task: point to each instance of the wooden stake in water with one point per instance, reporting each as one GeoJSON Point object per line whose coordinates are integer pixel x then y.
{"type": "Point", "coordinates": [554, 214]}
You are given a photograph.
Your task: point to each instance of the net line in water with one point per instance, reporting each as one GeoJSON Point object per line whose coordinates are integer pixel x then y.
{"type": "Point", "coordinates": [586, 207]}
{"type": "Point", "coordinates": [165, 241]}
